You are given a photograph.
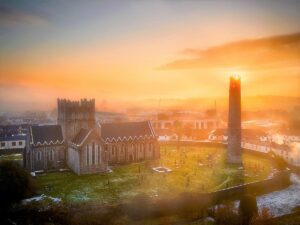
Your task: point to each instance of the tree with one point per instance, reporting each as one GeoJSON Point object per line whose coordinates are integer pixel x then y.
{"type": "Point", "coordinates": [248, 208]}
{"type": "Point", "coordinates": [15, 184]}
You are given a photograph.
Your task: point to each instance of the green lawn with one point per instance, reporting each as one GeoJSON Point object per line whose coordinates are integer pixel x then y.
{"type": "Point", "coordinates": [11, 157]}
{"type": "Point", "coordinates": [195, 169]}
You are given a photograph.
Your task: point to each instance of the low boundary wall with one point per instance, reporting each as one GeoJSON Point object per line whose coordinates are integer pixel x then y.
{"type": "Point", "coordinates": [144, 207]}
{"type": "Point", "coordinates": [210, 144]}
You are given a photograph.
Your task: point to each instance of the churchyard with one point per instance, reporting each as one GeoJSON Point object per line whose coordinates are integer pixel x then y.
{"type": "Point", "coordinates": [193, 169]}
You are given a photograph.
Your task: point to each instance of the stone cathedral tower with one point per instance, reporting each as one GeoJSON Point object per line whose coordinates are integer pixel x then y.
{"type": "Point", "coordinates": [234, 122]}
{"type": "Point", "coordinates": [74, 115]}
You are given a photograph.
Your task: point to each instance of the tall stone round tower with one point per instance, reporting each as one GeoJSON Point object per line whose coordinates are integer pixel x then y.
{"type": "Point", "coordinates": [234, 122]}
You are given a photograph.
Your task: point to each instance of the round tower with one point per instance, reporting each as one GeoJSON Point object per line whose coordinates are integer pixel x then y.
{"type": "Point", "coordinates": [234, 122]}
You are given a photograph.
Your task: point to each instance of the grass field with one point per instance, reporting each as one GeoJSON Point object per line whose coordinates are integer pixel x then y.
{"type": "Point", "coordinates": [13, 157]}
{"type": "Point", "coordinates": [195, 169]}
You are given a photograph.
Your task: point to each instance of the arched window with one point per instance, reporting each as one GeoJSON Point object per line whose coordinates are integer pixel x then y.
{"type": "Point", "coordinates": [51, 155]}
{"type": "Point", "coordinates": [93, 153]}
{"type": "Point", "coordinates": [87, 154]}
{"type": "Point", "coordinates": [114, 150]}
{"type": "Point", "coordinates": [99, 153]}
{"type": "Point", "coordinates": [96, 154]}
{"type": "Point", "coordinates": [39, 156]}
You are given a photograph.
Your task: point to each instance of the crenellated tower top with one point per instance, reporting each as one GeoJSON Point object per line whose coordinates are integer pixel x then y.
{"type": "Point", "coordinates": [73, 115]}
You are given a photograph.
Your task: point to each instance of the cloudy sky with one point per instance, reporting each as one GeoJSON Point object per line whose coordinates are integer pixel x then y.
{"type": "Point", "coordinates": [128, 50]}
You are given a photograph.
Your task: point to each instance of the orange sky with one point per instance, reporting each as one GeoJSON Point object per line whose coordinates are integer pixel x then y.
{"type": "Point", "coordinates": [185, 55]}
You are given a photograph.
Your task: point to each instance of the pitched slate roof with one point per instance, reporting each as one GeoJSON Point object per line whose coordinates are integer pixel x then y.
{"type": "Point", "coordinates": [126, 131]}
{"type": "Point", "coordinates": [80, 136]}
{"type": "Point", "coordinates": [46, 135]}
{"type": "Point", "coordinates": [16, 137]}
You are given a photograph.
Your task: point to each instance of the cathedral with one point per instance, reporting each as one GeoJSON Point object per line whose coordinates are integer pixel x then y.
{"type": "Point", "coordinates": [84, 146]}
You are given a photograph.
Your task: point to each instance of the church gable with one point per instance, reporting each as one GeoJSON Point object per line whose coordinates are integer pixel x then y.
{"type": "Point", "coordinates": [83, 136]}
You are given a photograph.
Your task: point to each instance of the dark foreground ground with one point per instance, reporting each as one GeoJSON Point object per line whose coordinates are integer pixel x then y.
{"type": "Point", "coordinates": [94, 214]}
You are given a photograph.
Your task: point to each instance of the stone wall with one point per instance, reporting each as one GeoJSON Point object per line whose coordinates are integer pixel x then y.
{"type": "Point", "coordinates": [196, 202]}
{"type": "Point", "coordinates": [47, 157]}
{"type": "Point", "coordinates": [73, 159]}
{"type": "Point", "coordinates": [134, 151]}
{"type": "Point", "coordinates": [92, 159]}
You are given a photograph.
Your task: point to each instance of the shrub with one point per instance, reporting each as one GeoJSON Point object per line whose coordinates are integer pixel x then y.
{"type": "Point", "coordinates": [15, 184]}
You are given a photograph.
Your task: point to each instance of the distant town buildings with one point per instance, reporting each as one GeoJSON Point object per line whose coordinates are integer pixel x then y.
{"type": "Point", "coordinates": [263, 142]}
{"type": "Point", "coordinates": [185, 129]}
{"type": "Point", "coordinates": [195, 124]}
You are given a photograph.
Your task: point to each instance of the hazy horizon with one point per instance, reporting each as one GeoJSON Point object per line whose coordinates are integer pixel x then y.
{"type": "Point", "coordinates": [249, 103]}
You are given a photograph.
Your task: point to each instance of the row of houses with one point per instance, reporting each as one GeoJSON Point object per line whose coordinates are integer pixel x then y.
{"type": "Point", "coordinates": [260, 141]}
{"type": "Point", "coordinates": [195, 124]}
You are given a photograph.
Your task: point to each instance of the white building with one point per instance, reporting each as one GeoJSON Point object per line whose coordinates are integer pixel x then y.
{"type": "Point", "coordinates": [261, 142]}
{"type": "Point", "coordinates": [197, 124]}
{"type": "Point", "coordinates": [13, 142]}
{"type": "Point", "coordinates": [286, 137]}
{"type": "Point", "coordinates": [259, 146]}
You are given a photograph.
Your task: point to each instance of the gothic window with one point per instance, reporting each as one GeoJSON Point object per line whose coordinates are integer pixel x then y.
{"type": "Point", "coordinates": [96, 154]}
{"type": "Point", "coordinates": [87, 154]}
{"type": "Point", "coordinates": [99, 153]}
{"type": "Point", "coordinates": [93, 153]}
{"type": "Point", "coordinates": [39, 155]}
{"type": "Point", "coordinates": [90, 154]}
{"type": "Point", "coordinates": [114, 150]}
{"type": "Point", "coordinates": [51, 155]}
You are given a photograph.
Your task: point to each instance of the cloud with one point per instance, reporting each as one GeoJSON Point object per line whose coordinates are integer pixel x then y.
{"type": "Point", "coordinates": [256, 54]}
{"type": "Point", "coordinates": [9, 17]}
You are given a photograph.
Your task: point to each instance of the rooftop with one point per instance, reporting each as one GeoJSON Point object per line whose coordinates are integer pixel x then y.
{"type": "Point", "coordinates": [128, 130]}
{"type": "Point", "coordinates": [46, 134]}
